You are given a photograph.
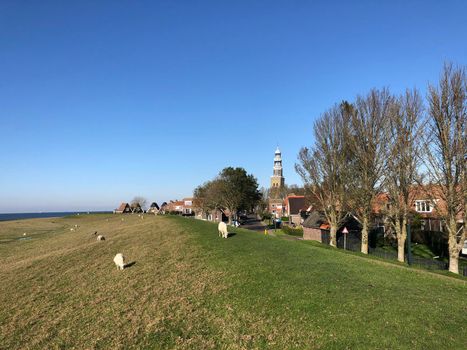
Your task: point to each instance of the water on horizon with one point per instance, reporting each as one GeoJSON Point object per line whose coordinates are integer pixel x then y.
{"type": "Point", "coordinates": [20, 216]}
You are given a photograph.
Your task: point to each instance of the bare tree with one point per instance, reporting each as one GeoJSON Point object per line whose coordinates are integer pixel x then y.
{"type": "Point", "coordinates": [403, 161]}
{"type": "Point", "coordinates": [323, 167]}
{"type": "Point", "coordinates": [207, 196]}
{"type": "Point", "coordinates": [446, 155]}
{"type": "Point", "coordinates": [139, 200]}
{"type": "Point", "coordinates": [368, 146]}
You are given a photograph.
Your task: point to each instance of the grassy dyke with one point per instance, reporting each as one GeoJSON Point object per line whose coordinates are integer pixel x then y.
{"type": "Point", "coordinates": [190, 289]}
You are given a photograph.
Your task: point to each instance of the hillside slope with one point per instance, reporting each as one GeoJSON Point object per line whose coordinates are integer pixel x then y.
{"type": "Point", "coordinates": [190, 289]}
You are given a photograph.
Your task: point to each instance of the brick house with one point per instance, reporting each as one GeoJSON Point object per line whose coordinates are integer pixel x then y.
{"type": "Point", "coordinates": [187, 207]}
{"type": "Point", "coordinates": [175, 206]}
{"type": "Point", "coordinates": [294, 206]}
{"type": "Point", "coordinates": [426, 202]}
{"type": "Point", "coordinates": [276, 207]}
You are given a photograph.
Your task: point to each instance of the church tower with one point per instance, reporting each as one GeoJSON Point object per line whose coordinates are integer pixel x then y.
{"type": "Point", "coordinates": [277, 180]}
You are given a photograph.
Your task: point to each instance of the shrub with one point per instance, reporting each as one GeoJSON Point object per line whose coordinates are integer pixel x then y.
{"type": "Point", "coordinates": [293, 231]}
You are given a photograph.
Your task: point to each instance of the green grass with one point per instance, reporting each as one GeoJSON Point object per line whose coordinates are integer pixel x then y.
{"type": "Point", "coordinates": [190, 289]}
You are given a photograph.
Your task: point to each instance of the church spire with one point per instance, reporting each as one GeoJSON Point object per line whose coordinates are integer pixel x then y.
{"type": "Point", "coordinates": [277, 178]}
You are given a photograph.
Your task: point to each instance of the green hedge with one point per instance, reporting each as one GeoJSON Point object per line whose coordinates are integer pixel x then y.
{"type": "Point", "coordinates": [292, 231]}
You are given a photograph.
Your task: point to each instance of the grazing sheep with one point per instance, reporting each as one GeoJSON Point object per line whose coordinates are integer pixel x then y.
{"type": "Point", "coordinates": [222, 228]}
{"type": "Point", "coordinates": [100, 238]}
{"type": "Point", "coordinates": [95, 233]}
{"type": "Point", "coordinates": [119, 260]}
{"type": "Point", "coordinates": [72, 229]}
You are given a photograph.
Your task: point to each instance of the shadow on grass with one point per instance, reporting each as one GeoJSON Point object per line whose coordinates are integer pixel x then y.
{"type": "Point", "coordinates": [231, 234]}
{"type": "Point", "coordinates": [130, 264]}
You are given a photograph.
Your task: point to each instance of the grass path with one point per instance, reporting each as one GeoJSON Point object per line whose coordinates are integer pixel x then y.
{"type": "Point", "coordinates": [190, 289]}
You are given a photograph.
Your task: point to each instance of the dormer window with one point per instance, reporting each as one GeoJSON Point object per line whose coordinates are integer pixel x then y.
{"type": "Point", "coordinates": [423, 206]}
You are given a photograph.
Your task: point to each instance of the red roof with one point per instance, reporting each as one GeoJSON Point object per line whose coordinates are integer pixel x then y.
{"type": "Point", "coordinates": [122, 207]}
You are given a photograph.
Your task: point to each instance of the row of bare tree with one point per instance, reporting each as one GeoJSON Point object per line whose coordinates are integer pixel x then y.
{"type": "Point", "coordinates": [386, 144]}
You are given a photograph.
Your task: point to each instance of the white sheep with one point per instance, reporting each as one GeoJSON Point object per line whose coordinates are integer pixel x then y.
{"type": "Point", "coordinates": [222, 228]}
{"type": "Point", "coordinates": [119, 260]}
{"type": "Point", "coordinates": [100, 238]}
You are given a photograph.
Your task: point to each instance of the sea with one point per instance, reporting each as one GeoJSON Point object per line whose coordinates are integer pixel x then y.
{"type": "Point", "coordinates": [19, 216]}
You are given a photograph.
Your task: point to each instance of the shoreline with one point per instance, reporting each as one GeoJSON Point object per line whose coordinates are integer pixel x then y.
{"type": "Point", "coordinates": [52, 214]}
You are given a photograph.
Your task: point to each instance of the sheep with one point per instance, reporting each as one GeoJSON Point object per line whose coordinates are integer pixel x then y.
{"type": "Point", "coordinates": [222, 228]}
{"type": "Point", "coordinates": [100, 238]}
{"type": "Point", "coordinates": [95, 233]}
{"type": "Point", "coordinates": [119, 260]}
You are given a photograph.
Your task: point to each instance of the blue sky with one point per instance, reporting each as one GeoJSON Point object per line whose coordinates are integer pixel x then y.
{"type": "Point", "coordinates": [104, 100]}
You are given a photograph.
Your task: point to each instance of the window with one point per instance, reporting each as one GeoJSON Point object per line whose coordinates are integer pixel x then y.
{"type": "Point", "coordinates": [423, 206]}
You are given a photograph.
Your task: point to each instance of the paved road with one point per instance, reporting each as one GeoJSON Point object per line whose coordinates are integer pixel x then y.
{"type": "Point", "coordinates": [256, 225]}
{"type": "Point", "coordinates": [253, 224]}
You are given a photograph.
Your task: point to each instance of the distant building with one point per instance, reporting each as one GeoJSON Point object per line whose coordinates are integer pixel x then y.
{"type": "Point", "coordinates": [216, 215]}
{"type": "Point", "coordinates": [294, 207]}
{"type": "Point", "coordinates": [275, 200]}
{"type": "Point", "coordinates": [175, 206]}
{"type": "Point", "coordinates": [276, 207]}
{"type": "Point", "coordinates": [123, 208]}
{"type": "Point", "coordinates": [187, 208]}
{"type": "Point", "coordinates": [163, 208]}
{"type": "Point", "coordinates": [136, 208]}
{"type": "Point", "coordinates": [153, 208]}
{"type": "Point", "coordinates": [277, 178]}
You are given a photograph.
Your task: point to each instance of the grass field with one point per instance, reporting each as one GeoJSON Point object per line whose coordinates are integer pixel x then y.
{"type": "Point", "coordinates": [189, 289]}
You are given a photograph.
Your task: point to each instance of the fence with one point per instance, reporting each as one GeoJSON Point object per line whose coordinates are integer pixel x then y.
{"type": "Point", "coordinates": [353, 243]}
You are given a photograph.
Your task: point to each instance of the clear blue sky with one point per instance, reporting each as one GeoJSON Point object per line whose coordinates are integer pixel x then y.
{"type": "Point", "coordinates": [104, 100]}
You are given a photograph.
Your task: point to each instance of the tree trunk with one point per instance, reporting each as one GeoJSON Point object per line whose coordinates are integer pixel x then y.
{"type": "Point", "coordinates": [454, 263]}
{"type": "Point", "coordinates": [365, 235]}
{"type": "Point", "coordinates": [333, 241]}
{"type": "Point", "coordinates": [401, 230]}
{"type": "Point", "coordinates": [454, 247]}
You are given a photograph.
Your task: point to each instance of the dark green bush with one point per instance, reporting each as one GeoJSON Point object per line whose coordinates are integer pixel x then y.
{"type": "Point", "coordinates": [292, 231]}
